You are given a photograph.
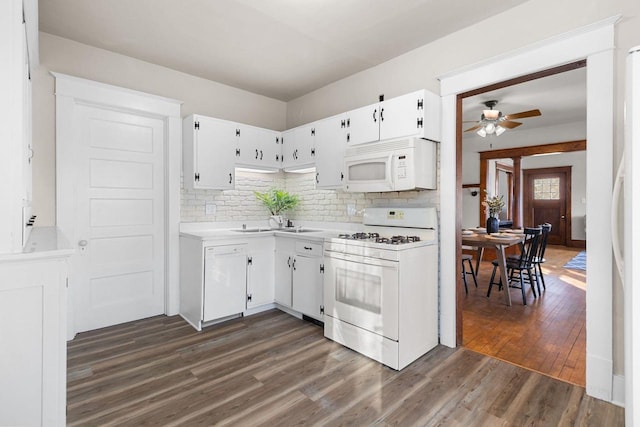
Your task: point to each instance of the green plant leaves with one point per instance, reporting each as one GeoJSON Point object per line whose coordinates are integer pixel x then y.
{"type": "Point", "coordinates": [277, 201]}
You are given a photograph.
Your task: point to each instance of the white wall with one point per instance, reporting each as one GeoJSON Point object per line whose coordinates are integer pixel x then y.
{"type": "Point", "coordinates": [76, 59]}
{"type": "Point", "coordinates": [578, 162]}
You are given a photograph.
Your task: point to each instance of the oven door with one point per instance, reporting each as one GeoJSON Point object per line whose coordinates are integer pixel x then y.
{"type": "Point", "coordinates": [363, 292]}
{"type": "Point", "coordinates": [369, 173]}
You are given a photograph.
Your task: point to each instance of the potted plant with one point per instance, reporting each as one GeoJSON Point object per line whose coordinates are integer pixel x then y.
{"type": "Point", "coordinates": [277, 201]}
{"type": "Point", "coordinates": [493, 206]}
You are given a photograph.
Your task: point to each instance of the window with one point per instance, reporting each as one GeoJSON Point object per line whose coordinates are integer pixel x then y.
{"type": "Point", "coordinates": [546, 189]}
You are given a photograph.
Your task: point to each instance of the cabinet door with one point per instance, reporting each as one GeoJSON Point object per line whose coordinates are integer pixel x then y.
{"type": "Point", "coordinates": [288, 142]}
{"type": "Point", "coordinates": [214, 154]}
{"type": "Point", "coordinates": [260, 278]}
{"type": "Point", "coordinates": [307, 285]}
{"type": "Point", "coordinates": [225, 281]}
{"type": "Point", "coordinates": [305, 145]}
{"type": "Point", "coordinates": [284, 260]}
{"type": "Point", "coordinates": [402, 116]}
{"type": "Point", "coordinates": [363, 125]}
{"type": "Point", "coordinates": [330, 144]}
{"type": "Point", "coordinates": [270, 149]}
{"type": "Point", "coordinates": [248, 144]}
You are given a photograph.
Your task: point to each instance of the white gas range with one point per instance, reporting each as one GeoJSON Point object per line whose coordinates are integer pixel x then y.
{"type": "Point", "coordinates": [381, 286]}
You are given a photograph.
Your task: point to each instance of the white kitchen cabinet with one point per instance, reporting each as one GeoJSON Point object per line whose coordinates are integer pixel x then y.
{"type": "Point", "coordinates": [260, 272]}
{"type": "Point", "coordinates": [298, 147]}
{"type": "Point", "coordinates": [299, 270]}
{"type": "Point", "coordinates": [33, 297]}
{"type": "Point", "coordinates": [258, 148]}
{"type": "Point", "coordinates": [225, 281]}
{"type": "Point", "coordinates": [209, 153]}
{"type": "Point", "coordinates": [330, 142]}
{"type": "Point", "coordinates": [307, 285]}
{"type": "Point", "coordinates": [415, 114]}
{"type": "Point", "coordinates": [285, 253]}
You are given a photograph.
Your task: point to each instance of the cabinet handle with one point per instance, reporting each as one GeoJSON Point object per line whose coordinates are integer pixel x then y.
{"type": "Point", "coordinates": [307, 248]}
{"type": "Point", "coordinates": [230, 178]}
{"type": "Point", "coordinates": [374, 115]}
{"type": "Point", "coordinates": [317, 180]}
{"type": "Point", "coordinates": [294, 264]}
{"type": "Point", "coordinates": [237, 132]}
{"type": "Point", "coordinates": [249, 296]}
{"type": "Point", "coordinates": [289, 262]}
{"type": "Point", "coordinates": [342, 124]}
{"type": "Point", "coordinates": [237, 152]}
{"type": "Point", "coordinates": [348, 122]}
{"type": "Point", "coordinates": [341, 176]}
{"type": "Point", "coordinates": [256, 153]}
{"type": "Point", "coordinates": [382, 114]}
{"type": "Point", "coordinates": [260, 154]}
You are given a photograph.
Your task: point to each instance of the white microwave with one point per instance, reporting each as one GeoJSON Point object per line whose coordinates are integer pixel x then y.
{"type": "Point", "coordinates": [394, 165]}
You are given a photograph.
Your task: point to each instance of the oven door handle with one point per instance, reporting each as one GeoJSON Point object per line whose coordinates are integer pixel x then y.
{"type": "Point", "coordinates": [359, 259]}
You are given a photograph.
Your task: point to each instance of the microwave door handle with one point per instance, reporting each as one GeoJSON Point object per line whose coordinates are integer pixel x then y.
{"type": "Point", "coordinates": [390, 171]}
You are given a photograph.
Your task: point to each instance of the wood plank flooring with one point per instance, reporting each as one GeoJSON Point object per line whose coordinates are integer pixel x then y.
{"type": "Point", "coordinates": [274, 369]}
{"type": "Point", "coordinates": [547, 335]}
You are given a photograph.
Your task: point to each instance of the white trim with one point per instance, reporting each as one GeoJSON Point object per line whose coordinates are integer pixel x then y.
{"type": "Point", "coordinates": [72, 90]}
{"type": "Point", "coordinates": [617, 397]}
{"type": "Point", "coordinates": [595, 43]}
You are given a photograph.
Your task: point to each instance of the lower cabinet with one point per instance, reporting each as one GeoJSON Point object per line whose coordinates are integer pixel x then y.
{"type": "Point", "coordinates": [220, 278]}
{"type": "Point", "coordinates": [260, 272]}
{"type": "Point", "coordinates": [299, 273]}
{"type": "Point", "coordinates": [33, 346]}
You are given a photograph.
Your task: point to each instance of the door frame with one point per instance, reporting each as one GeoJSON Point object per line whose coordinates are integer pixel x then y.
{"type": "Point", "coordinates": [566, 170]}
{"type": "Point", "coordinates": [596, 44]}
{"type": "Point", "coordinates": [71, 91]}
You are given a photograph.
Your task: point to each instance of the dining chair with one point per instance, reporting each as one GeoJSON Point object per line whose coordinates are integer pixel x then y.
{"type": "Point", "coordinates": [468, 258]}
{"type": "Point", "coordinates": [538, 259]}
{"type": "Point", "coordinates": [524, 263]}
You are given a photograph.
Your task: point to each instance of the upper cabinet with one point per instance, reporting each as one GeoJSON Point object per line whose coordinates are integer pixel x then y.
{"type": "Point", "coordinates": [415, 114]}
{"type": "Point", "coordinates": [258, 148]}
{"type": "Point", "coordinates": [330, 144]}
{"type": "Point", "coordinates": [209, 153]}
{"type": "Point", "coordinates": [298, 147]}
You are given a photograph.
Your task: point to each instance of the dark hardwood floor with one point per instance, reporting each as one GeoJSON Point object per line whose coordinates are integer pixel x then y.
{"type": "Point", "coordinates": [547, 335]}
{"type": "Point", "coordinates": [273, 369]}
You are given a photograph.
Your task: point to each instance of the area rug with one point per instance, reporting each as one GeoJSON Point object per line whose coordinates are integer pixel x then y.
{"type": "Point", "coordinates": [578, 262]}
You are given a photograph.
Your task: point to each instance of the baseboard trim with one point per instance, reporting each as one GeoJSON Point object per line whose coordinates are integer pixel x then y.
{"type": "Point", "coordinates": [582, 244]}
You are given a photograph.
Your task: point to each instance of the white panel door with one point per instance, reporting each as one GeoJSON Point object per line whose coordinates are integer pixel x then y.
{"type": "Point", "coordinates": [118, 271]}
{"type": "Point", "coordinates": [330, 143]}
{"type": "Point", "coordinates": [402, 116]}
{"type": "Point", "coordinates": [364, 125]}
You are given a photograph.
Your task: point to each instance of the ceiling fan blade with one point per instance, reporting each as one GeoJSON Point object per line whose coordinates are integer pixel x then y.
{"type": "Point", "coordinates": [523, 114]}
{"type": "Point", "coordinates": [509, 124]}
{"type": "Point", "coordinates": [473, 128]}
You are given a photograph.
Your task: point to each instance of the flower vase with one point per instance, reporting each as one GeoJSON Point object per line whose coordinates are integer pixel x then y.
{"type": "Point", "coordinates": [493, 225]}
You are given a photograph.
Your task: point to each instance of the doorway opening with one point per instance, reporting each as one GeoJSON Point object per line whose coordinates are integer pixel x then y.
{"type": "Point", "coordinates": [548, 334]}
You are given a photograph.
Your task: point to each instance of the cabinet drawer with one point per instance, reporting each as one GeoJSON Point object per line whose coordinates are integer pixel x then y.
{"type": "Point", "coordinates": [309, 248]}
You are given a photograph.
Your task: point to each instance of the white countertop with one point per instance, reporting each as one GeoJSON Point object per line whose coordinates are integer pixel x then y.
{"type": "Point", "coordinates": [44, 242]}
{"type": "Point", "coordinates": [231, 234]}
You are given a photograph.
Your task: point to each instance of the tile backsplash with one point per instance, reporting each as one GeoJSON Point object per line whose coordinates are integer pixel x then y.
{"type": "Point", "coordinates": [240, 204]}
{"type": "Point", "coordinates": [315, 205]}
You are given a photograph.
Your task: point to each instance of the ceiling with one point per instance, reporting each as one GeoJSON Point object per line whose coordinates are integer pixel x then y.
{"type": "Point", "coordinates": [561, 98]}
{"type": "Point", "coordinates": [278, 48]}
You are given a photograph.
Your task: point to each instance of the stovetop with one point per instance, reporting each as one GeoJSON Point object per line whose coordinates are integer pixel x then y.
{"type": "Point", "coordinates": [377, 238]}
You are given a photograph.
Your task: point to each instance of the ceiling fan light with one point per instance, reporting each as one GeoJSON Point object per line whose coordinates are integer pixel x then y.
{"type": "Point", "coordinates": [482, 132]}
{"type": "Point", "coordinates": [491, 114]}
{"type": "Point", "coordinates": [500, 130]}
{"type": "Point", "coordinates": [490, 128]}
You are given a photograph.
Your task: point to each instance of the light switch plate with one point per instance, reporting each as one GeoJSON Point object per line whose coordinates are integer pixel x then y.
{"type": "Point", "coordinates": [210, 208]}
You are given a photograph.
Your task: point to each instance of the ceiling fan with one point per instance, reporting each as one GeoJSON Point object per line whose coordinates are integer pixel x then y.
{"type": "Point", "coordinates": [494, 122]}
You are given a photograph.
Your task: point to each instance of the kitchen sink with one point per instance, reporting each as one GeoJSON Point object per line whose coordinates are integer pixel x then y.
{"type": "Point", "coordinates": [251, 230]}
{"type": "Point", "coordinates": [298, 230]}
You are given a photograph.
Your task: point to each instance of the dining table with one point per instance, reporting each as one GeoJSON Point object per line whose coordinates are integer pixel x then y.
{"type": "Point", "coordinates": [499, 242]}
